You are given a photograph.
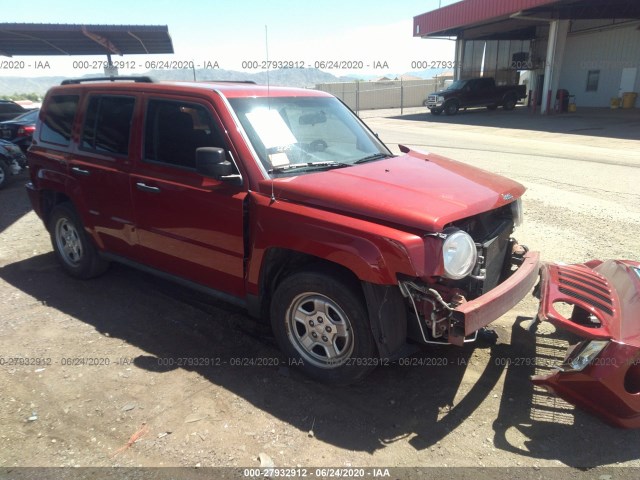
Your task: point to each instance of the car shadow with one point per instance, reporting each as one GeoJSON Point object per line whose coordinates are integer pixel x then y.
{"type": "Point", "coordinates": [534, 423]}
{"type": "Point", "coordinates": [598, 122]}
{"type": "Point", "coordinates": [422, 402]}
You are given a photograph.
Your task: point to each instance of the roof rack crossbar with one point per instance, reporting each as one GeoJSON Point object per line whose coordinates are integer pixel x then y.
{"type": "Point", "coordinates": [137, 79]}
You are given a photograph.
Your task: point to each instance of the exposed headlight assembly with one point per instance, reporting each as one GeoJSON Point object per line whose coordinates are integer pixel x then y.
{"type": "Point", "coordinates": [586, 355]}
{"type": "Point", "coordinates": [459, 254]}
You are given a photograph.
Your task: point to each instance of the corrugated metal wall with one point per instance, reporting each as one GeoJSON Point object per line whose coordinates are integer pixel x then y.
{"type": "Point", "coordinates": [608, 51]}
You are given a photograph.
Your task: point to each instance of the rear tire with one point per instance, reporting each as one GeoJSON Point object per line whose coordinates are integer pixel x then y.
{"type": "Point", "coordinates": [71, 244]}
{"type": "Point", "coordinates": [321, 324]}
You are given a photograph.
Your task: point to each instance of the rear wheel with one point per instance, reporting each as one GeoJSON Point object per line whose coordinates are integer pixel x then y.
{"type": "Point", "coordinates": [451, 107]}
{"type": "Point", "coordinates": [321, 324]}
{"type": "Point", "coordinates": [74, 249]}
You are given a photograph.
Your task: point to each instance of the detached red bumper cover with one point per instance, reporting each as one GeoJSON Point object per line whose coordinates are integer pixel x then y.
{"type": "Point", "coordinates": [606, 312]}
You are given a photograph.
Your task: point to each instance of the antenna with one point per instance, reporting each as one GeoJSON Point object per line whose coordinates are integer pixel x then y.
{"type": "Point", "coordinates": [266, 45]}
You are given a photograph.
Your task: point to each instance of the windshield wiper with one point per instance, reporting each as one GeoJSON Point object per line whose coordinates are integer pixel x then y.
{"type": "Point", "coordinates": [294, 166]}
{"type": "Point", "coordinates": [375, 156]}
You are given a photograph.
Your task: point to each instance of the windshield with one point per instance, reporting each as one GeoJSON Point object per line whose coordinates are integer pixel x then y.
{"type": "Point", "coordinates": [304, 134]}
{"type": "Point", "coordinates": [457, 85]}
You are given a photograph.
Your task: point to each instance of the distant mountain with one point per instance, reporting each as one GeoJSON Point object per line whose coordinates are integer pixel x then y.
{"type": "Point", "coordinates": [294, 77]}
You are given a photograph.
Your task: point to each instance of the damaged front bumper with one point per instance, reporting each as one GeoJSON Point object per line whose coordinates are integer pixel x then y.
{"type": "Point", "coordinates": [600, 374]}
{"type": "Point", "coordinates": [456, 321]}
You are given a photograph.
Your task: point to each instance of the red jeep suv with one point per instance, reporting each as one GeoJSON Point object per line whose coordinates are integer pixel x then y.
{"type": "Point", "coordinates": [280, 200]}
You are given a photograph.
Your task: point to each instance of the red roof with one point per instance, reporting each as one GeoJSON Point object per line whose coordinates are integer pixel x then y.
{"type": "Point", "coordinates": [469, 12]}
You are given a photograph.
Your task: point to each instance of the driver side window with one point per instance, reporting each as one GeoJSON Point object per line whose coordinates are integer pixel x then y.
{"type": "Point", "coordinates": [174, 130]}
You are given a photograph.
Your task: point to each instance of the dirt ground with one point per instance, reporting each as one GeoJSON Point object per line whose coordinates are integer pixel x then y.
{"type": "Point", "coordinates": [87, 367]}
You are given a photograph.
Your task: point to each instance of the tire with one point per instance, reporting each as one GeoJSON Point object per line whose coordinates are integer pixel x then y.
{"type": "Point", "coordinates": [71, 244]}
{"type": "Point", "coordinates": [492, 107]}
{"type": "Point", "coordinates": [436, 111]}
{"type": "Point", "coordinates": [509, 103]}
{"type": "Point", "coordinates": [5, 174]}
{"type": "Point", "coordinates": [451, 107]}
{"type": "Point", "coordinates": [321, 324]}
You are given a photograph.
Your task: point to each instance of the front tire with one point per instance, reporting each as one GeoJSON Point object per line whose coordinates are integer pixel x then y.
{"type": "Point", "coordinates": [320, 322]}
{"type": "Point", "coordinates": [71, 244]}
{"type": "Point", "coordinates": [4, 174]}
{"type": "Point", "coordinates": [451, 107]}
{"type": "Point", "coordinates": [509, 103]}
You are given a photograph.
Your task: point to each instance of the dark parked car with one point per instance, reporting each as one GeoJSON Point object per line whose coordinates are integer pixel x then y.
{"type": "Point", "coordinates": [475, 92]}
{"type": "Point", "coordinates": [20, 129]}
{"type": "Point", "coordinates": [10, 110]}
{"type": "Point", "coordinates": [12, 161]}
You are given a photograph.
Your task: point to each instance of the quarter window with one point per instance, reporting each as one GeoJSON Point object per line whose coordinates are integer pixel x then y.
{"type": "Point", "coordinates": [107, 125]}
{"type": "Point", "coordinates": [58, 119]}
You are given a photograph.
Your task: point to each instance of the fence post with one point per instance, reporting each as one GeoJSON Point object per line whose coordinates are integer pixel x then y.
{"type": "Point", "coordinates": [358, 97]}
{"type": "Point", "coordinates": [401, 97]}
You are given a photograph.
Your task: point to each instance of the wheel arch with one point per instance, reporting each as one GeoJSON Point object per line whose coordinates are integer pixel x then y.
{"type": "Point", "coordinates": [384, 304]}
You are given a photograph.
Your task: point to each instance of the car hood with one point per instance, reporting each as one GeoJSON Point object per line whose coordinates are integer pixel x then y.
{"type": "Point", "coordinates": [416, 190]}
{"type": "Point", "coordinates": [444, 92]}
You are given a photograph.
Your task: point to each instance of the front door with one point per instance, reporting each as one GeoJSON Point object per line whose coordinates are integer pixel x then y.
{"type": "Point", "coordinates": [188, 225]}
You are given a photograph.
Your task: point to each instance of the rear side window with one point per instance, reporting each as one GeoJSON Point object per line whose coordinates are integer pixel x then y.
{"type": "Point", "coordinates": [58, 119]}
{"type": "Point", "coordinates": [107, 124]}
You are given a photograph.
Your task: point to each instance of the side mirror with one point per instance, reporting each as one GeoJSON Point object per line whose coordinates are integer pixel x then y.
{"type": "Point", "coordinates": [212, 162]}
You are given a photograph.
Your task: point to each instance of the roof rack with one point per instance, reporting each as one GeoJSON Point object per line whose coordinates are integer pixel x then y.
{"type": "Point", "coordinates": [230, 81]}
{"type": "Point", "coordinates": [137, 79]}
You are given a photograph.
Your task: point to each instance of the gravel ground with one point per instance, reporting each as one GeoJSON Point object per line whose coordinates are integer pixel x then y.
{"type": "Point", "coordinates": [452, 407]}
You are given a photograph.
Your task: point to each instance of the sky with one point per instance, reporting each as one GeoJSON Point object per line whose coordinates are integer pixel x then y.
{"type": "Point", "coordinates": [375, 36]}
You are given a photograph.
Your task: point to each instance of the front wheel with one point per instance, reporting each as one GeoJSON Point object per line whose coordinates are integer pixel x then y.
{"type": "Point", "coordinates": [4, 174]}
{"type": "Point", "coordinates": [451, 107]}
{"type": "Point", "coordinates": [321, 324]}
{"type": "Point", "coordinates": [509, 103]}
{"type": "Point", "coordinates": [72, 246]}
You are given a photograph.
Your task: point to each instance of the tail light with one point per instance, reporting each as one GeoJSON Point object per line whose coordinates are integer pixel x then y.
{"type": "Point", "coordinates": [26, 131]}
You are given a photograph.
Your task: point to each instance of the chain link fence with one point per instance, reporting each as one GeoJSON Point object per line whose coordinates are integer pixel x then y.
{"type": "Point", "coordinates": [384, 93]}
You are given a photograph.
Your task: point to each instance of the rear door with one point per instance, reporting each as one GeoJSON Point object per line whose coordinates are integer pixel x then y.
{"type": "Point", "coordinates": [101, 165]}
{"type": "Point", "coordinates": [189, 225]}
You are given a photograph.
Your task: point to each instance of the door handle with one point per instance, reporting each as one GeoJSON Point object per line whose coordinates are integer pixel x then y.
{"type": "Point", "coordinates": [80, 171]}
{"type": "Point", "coordinates": [146, 188]}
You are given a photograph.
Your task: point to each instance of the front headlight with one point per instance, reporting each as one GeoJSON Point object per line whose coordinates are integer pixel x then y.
{"type": "Point", "coordinates": [588, 353]}
{"type": "Point", "coordinates": [516, 212]}
{"type": "Point", "coordinates": [440, 98]}
{"type": "Point", "coordinates": [459, 255]}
